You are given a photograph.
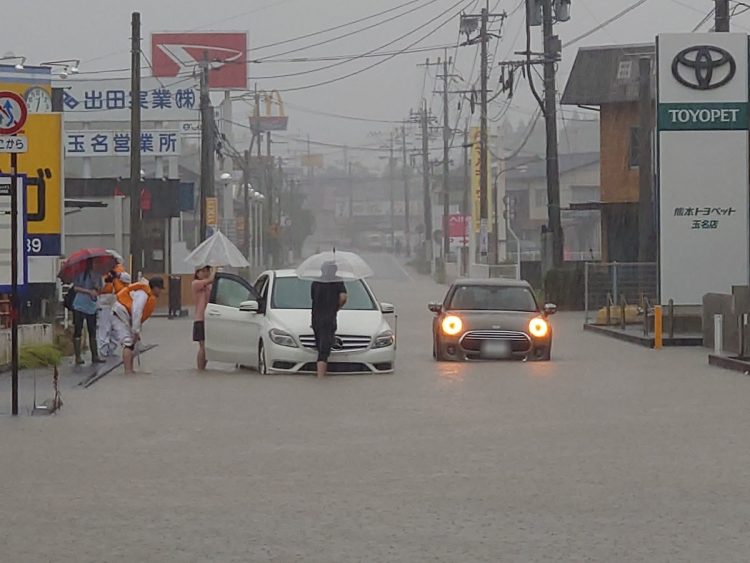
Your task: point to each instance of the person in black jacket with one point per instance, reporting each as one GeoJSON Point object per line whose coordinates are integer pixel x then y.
{"type": "Point", "coordinates": [328, 296]}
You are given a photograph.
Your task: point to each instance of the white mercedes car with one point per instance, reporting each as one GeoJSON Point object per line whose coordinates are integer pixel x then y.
{"type": "Point", "coordinates": [266, 326]}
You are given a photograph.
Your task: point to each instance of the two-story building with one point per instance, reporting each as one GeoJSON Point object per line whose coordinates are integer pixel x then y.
{"type": "Point", "coordinates": [606, 79]}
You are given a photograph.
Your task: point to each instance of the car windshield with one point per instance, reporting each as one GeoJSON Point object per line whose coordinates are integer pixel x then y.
{"type": "Point", "coordinates": [492, 298]}
{"type": "Point", "coordinates": [294, 293]}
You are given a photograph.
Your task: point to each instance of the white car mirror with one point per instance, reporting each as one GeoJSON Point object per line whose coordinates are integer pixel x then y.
{"type": "Point", "coordinates": [387, 308]}
{"type": "Point", "coordinates": [249, 306]}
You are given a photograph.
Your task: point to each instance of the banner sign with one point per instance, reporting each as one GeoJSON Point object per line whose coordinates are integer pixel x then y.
{"type": "Point", "coordinates": [475, 140]}
{"type": "Point", "coordinates": [179, 54]}
{"type": "Point", "coordinates": [117, 143]}
{"type": "Point", "coordinates": [703, 164]}
{"type": "Point", "coordinates": [175, 99]}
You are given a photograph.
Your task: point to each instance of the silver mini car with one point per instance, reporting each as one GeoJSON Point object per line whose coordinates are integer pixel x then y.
{"type": "Point", "coordinates": [489, 320]}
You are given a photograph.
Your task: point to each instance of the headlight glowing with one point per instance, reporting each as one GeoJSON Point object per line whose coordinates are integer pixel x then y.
{"type": "Point", "coordinates": [452, 325]}
{"type": "Point", "coordinates": [538, 327]}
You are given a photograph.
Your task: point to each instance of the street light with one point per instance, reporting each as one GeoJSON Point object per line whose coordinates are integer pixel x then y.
{"type": "Point", "coordinates": [69, 66]}
{"type": "Point", "coordinates": [11, 57]}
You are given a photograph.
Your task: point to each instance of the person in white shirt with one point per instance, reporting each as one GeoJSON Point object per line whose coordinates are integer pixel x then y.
{"type": "Point", "coordinates": [135, 304]}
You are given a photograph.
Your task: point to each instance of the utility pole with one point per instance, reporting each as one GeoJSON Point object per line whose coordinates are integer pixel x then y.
{"type": "Point", "coordinates": [465, 199]}
{"type": "Point", "coordinates": [427, 201]}
{"type": "Point", "coordinates": [551, 54]}
{"type": "Point", "coordinates": [246, 205]}
{"type": "Point", "coordinates": [392, 182]}
{"type": "Point", "coordinates": [136, 251]}
{"type": "Point", "coordinates": [721, 16]}
{"type": "Point", "coordinates": [446, 161]}
{"type": "Point", "coordinates": [646, 226]}
{"type": "Point", "coordinates": [483, 141]}
{"type": "Point", "coordinates": [405, 175]}
{"type": "Point", "coordinates": [207, 145]}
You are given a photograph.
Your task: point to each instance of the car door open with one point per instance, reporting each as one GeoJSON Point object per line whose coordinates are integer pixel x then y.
{"type": "Point", "coordinates": [229, 320]}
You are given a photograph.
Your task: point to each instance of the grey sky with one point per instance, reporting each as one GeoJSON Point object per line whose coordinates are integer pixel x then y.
{"type": "Point", "coordinates": [97, 32]}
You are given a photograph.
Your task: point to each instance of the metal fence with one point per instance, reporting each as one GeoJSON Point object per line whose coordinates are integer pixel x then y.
{"type": "Point", "coordinates": [616, 283]}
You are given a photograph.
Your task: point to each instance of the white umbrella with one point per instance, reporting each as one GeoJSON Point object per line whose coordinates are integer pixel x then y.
{"type": "Point", "coordinates": [116, 255]}
{"type": "Point", "coordinates": [334, 267]}
{"type": "Point", "coordinates": [217, 250]}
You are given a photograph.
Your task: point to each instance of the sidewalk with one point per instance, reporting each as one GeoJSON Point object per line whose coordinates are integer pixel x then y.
{"type": "Point", "coordinates": [72, 378]}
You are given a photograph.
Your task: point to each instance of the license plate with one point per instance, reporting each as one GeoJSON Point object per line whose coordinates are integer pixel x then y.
{"type": "Point", "coordinates": [495, 350]}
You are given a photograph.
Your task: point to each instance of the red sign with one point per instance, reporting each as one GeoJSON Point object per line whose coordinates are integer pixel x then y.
{"type": "Point", "coordinates": [458, 226]}
{"type": "Point", "coordinates": [179, 54]}
{"type": "Point", "coordinates": [13, 113]}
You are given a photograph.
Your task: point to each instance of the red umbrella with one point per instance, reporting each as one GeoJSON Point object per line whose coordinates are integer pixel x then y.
{"type": "Point", "coordinates": [102, 261]}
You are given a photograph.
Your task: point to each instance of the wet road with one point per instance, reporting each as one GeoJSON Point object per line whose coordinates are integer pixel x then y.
{"type": "Point", "coordinates": [608, 453]}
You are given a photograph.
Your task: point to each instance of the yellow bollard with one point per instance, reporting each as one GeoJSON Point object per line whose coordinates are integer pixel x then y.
{"type": "Point", "coordinates": [658, 328]}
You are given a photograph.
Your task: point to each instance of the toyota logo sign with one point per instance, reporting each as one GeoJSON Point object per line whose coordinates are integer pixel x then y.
{"type": "Point", "coordinates": [703, 67]}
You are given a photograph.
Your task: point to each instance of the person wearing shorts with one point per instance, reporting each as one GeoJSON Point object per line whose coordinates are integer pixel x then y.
{"type": "Point", "coordinates": [135, 304]}
{"type": "Point", "coordinates": [201, 286]}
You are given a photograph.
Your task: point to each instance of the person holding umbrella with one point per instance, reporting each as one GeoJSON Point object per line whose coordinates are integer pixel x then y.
{"type": "Point", "coordinates": [328, 296]}
{"type": "Point", "coordinates": [328, 271]}
{"type": "Point", "coordinates": [87, 285]}
{"type": "Point", "coordinates": [201, 286]}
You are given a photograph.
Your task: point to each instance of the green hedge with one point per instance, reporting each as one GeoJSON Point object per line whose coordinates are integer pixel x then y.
{"type": "Point", "coordinates": [39, 356]}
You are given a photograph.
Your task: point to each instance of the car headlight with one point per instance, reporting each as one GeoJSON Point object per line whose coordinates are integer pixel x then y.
{"type": "Point", "coordinates": [383, 340]}
{"type": "Point", "coordinates": [282, 338]}
{"type": "Point", "coordinates": [538, 327]}
{"type": "Point", "coordinates": [452, 325]}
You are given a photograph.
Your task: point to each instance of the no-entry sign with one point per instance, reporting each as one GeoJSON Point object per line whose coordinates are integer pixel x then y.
{"type": "Point", "coordinates": [13, 113]}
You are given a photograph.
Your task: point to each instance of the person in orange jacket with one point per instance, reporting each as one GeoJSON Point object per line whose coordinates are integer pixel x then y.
{"type": "Point", "coordinates": [135, 304]}
{"type": "Point", "coordinates": [115, 280]}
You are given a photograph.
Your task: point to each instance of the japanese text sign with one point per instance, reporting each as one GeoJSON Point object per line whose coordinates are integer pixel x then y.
{"type": "Point", "coordinates": [117, 143]}
{"type": "Point", "coordinates": [109, 100]}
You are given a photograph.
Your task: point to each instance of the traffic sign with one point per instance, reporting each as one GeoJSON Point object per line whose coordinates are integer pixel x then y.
{"type": "Point", "coordinates": [14, 144]}
{"type": "Point", "coordinates": [13, 113]}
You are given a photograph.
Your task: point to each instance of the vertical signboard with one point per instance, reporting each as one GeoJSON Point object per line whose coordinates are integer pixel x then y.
{"type": "Point", "coordinates": [702, 121]}
{"type": "Point", "coordinates": [475, 139]}
{"type": "Point", "coordinates": [5, 231]}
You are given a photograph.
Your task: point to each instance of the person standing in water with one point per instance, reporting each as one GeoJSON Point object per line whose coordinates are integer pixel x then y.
{"type": "Point", "coordinates": [328, 296]}
{"type": "Point", "coordinates": [201, 286]}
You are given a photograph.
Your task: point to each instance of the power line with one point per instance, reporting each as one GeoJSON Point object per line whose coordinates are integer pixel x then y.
{"type": "Point", "coordinates": [605, 23]}
{"type": "Point", "coordinates": [356, 57]}
{"type": "Point", "coordinates": [365, 69]}
{"type": "Point", "coordinates": [355, 32]}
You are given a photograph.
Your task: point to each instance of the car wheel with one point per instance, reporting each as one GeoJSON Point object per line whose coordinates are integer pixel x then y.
{"type": "Point", "coordinates": [437, 351]}
{"type": "Point", "coordinates": [262, 366]}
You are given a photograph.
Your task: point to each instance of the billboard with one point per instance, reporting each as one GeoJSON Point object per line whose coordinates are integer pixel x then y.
{"type": "Point", "coordinates": [702, 123]}
{"type": "Point", "coordinates": [179, 54]}
{"type": "Point", "coordinates": [177, 99]}
{"type": "Point", "coordinates": [6, 280]}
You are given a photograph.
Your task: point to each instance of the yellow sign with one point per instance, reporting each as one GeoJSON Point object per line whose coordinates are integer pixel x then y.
{"type": "Point", "coordinates": [476, 214]}
{"type": "Point", "coordinates": [42, 164]}
{"type": "Point", "coordinates": [212, 216]}
{"type": "Point", "coordinates": [312, 160]}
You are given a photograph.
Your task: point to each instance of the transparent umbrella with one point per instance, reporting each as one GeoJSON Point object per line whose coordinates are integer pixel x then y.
{"type": "Point", "coordinates": [334, 267]}
{"type": "Point", "coordinates": [217, 250]}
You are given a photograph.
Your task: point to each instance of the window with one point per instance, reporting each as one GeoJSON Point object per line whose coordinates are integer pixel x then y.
{"type": "Point", "coordinates": [231, 293]}
{"type": "Point", "coordinates": [492, 298]}
{"type": "Point", "coordinates": [633, 151]}
{"type": "Point", "coordinates": [540, 197]}
{"type": "Point", "coordinates": [294, 293]}
{"type": "Point", "coordinates": [624, 70]}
